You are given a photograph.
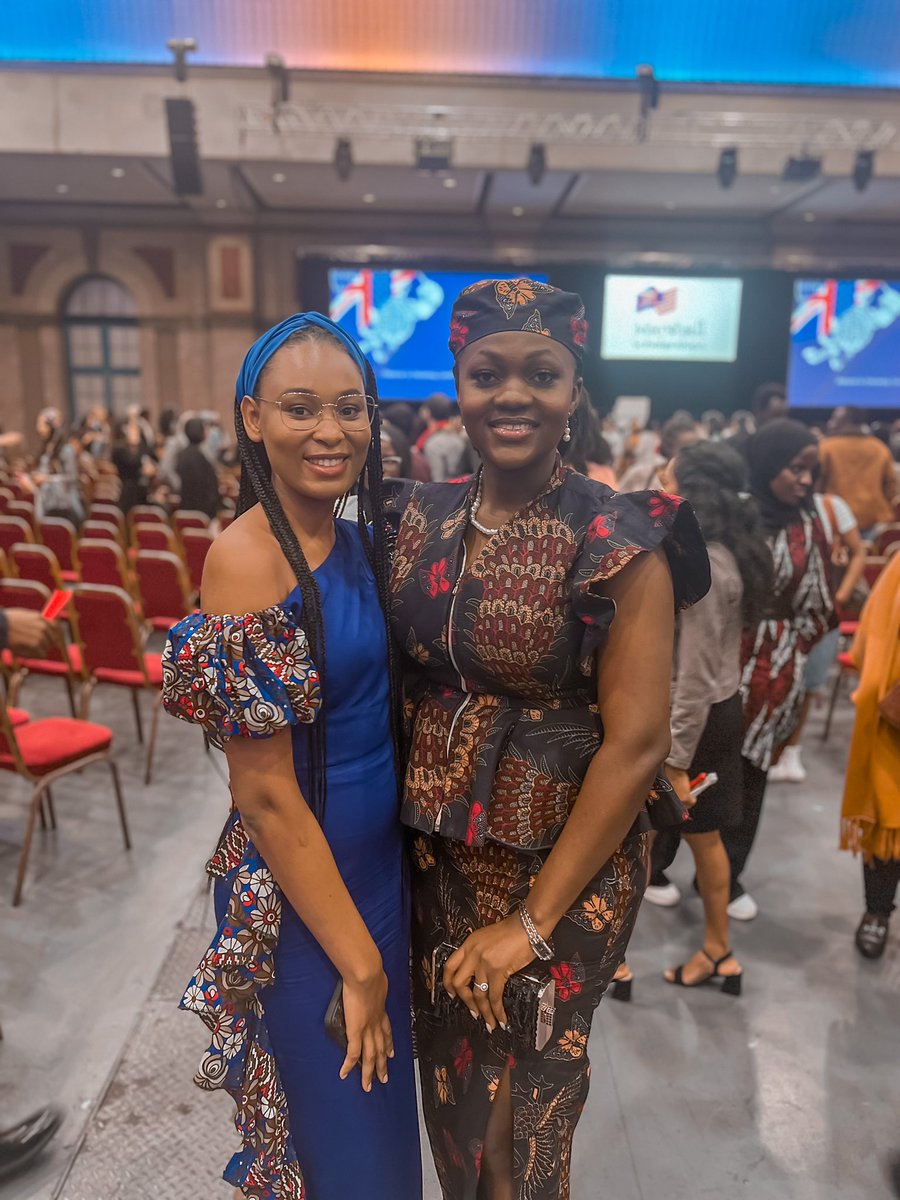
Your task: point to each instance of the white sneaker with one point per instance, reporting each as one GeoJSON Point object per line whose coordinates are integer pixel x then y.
{"type": "Point", "coordinates": [666, 896]}
{"type": "Point", "coordinates": [744, 908]}
{"type": "Point", "coordinates": [789, 768]}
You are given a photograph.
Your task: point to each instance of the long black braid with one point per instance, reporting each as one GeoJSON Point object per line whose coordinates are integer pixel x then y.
{"type": "Point", "coordinates": [257, 487]}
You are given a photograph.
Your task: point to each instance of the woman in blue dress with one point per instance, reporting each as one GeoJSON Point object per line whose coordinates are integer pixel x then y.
{"type": "Point", "coordinates": [287, 667]}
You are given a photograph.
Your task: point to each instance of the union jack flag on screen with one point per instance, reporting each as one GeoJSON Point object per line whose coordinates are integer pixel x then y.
{"type": "Point", "coordinates": [660, 302]}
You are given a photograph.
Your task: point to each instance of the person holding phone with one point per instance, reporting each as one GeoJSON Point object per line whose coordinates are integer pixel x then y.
{"type": "Point", "coordinates": [288, 667]}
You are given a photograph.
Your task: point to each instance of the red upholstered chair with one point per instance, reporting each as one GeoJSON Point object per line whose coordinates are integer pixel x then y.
{"type": "Point", "coordinates": [114, 652]}
{"type": "Point", "coordinates": [225, 520]}
{"type": "Point", "coordinates": [874, 565]}
{"type": "Point", "coordinates": [64, 660]}
{"type": "Point", "coordinates": [147, 514]}
{"type": "Point", "coordinates": [103, 531]}
{"type": "Point", "coordinates": [23, 509]}
{"type": "Point", "coordinates": [164, 587]}
{"type": "Point", "coordinates": [888, 537]}
{"type": "Point", "coordinates": [43, 752]}
{"type": "Point", "coordinates": [188, 518]}
{"type": "Point", "coordinates": [110, 513]}
{"type": "Point", "coordinates": [196, 547]}
{"type": "Point", "coordinates": [5, 496]}
{"type": "Point", "coordinates": [845, 669]}
{"type": "Point", "coordinates": [104, 562]}
{"type": "Point", "coordinates": [12, 530]}
{"type": "Point", "coordinates": [60, 536]}
{"type": "Point", "coordinates": [153, 536]}
{"type": "Point", "coordinates": [33, 561]}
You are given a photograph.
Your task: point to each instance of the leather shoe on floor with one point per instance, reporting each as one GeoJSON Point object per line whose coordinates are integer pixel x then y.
{"type": "Point", "coordinates": [25, 1141]}
{"type": "Point", "coordinates": [871, 935]}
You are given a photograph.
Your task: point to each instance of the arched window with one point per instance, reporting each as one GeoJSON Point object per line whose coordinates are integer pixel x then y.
{"type": "Point", "coordinates": [103, 346]}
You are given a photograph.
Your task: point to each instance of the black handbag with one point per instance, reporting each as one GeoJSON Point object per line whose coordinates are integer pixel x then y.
{"type": "Point", "coordinates": [529, 1000]}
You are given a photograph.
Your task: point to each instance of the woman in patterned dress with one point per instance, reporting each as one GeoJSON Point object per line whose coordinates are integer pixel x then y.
{"type": "Point", "coordinates": [536, 610]}
{"type": "Point", "coordinates": [288, 666]}
{"type": "Point", "coordinates": [783, 458]}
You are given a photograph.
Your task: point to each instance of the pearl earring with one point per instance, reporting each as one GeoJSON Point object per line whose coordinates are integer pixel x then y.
{"type": "Point", "coordinates": [567, 436]}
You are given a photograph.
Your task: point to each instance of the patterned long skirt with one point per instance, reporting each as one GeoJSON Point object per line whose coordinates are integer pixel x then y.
{"type": "Point", "coordinates": [456, 889]}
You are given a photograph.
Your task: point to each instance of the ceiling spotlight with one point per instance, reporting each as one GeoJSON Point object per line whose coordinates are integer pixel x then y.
{"type": "Point", "coordinates": [450, 182]}
{"type": "Point", "coordinates": [369, 198]}
{"type": "Point", "coordinates": [117, 172]}
{"type": "Point", "coordinates": [726, 172]}
{"type": "Point", "coordinates": [518, 211]}
{"type": "Point", "coordinates": [62, 189]}
{"type": "Point", "coordinates": [279, 177]}
{"type": "Point", "coordinates": [809, 217]}
{"type": "Point", "coordinates": [181, 48]}
{"type": "Point", "coordinates": [434, 154]}
{"type": "Point", "coordinates": [537, 163]}
{"type": "Point", "coordinates": [801, 170]}
{"type": "Point", "coordinates": [220, 203]}
{"type": "Point", "coordinates": [863, 169]}
{"type": "Point", "coordinates": [281, 79]}
{"type": "Point", "coordinates": [343, 158]}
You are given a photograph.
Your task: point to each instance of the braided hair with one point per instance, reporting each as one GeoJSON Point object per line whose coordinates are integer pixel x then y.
{"type": "Point", "coordinates": [257, 487]}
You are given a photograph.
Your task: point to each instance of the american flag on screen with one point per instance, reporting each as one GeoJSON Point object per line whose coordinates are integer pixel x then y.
{"type": "Point", "coordinates": [660, 302]}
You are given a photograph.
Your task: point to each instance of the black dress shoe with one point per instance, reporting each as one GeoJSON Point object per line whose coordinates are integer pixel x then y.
{"type": "Point", "coordinates": [871, 936]}
{"type": "Point", "coordinates": [25, 1141]}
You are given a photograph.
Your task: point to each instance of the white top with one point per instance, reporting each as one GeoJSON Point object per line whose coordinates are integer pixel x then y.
{"type": "Point", "coordinates": [842, 515]}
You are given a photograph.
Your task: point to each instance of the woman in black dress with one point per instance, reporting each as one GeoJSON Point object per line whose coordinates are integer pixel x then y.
{"type": "Point", "coordinates": [536, 609]}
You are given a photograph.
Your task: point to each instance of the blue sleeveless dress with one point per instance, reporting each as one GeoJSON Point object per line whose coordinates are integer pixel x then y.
{"type": "Point", "coordinates": [264, 985]}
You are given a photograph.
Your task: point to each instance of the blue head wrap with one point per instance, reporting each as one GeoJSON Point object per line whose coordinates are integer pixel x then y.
{"type": "Point", "coordinates": [270, 341]}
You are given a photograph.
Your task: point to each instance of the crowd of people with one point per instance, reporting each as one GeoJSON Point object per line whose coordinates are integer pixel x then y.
{"type": "Point", "coordinates": [531, 608]}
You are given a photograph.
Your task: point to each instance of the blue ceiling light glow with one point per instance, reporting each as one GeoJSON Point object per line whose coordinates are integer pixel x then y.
{"type": "Point", "coordinates": [852, 43]}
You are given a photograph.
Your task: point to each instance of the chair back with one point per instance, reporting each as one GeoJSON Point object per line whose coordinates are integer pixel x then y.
{"type": "Point", "coordinates": [110, 513]}
{"type": "Point", "coordinates": [146, 513]}
{"type": "Point", "coordinates": [32, 561]}
{"type": "Point", "coordinates": [23, 593]}
{"type": "Point", "coordinates": [110, 637]}
{"type": "Point", "coordinates": [226, 519]}
{"type": "Point", "coordinates": [188, 518]}
{"type": "Point", "coordinates": [101, 531]}
{"type": "Point", "coordinates": [874, 565]}
{"type": "Point", "coordinates": [12, 530]}
{"type": "Point", "coordinates": [60, 535]}
{"type": "Point", "coordinates": [163, 584]}
{"type": "Point", "coordinates": [9, 747]}
{"type": "Point", "coordinates": [153, 536]}
{"type": "Point", "coordinates": [889, 536]}
{"type": "Point", "coordinates": [196, 547]}
{"type": "Point", "coordinates": [23, 509]}
{"type": "Point", "coordinates": [5, 496]}
{"type": "Point", "coordinates": [103, 562]}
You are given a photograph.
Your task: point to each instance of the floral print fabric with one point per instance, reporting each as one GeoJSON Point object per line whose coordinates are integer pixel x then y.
{"type": "Point", "coordinates": [243, 676]}
{"type": "Point", "coordinates": [501, 651]}
{"type": "Point", "coordinates": [457, 889]}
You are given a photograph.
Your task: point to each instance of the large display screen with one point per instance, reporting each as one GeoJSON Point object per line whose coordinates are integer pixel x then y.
{"type": "Point", "coordinates": [845, 343]}
{"type": "Point", "coordinates": [670, 318]}
{"type": "Point", "coordinates": [401, 319]}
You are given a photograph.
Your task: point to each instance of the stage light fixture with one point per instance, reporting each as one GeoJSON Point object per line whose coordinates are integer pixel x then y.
{"type": "Point", "coordinates": [180, 49]}
{"type": "Point", "coordinates": [281, 79]}
{"type": "Point", "coordinates": [801, 170]}
{"type": "Point", "coordinates": [434, 154]}
{"type": "Point", "coordinates": [863, 169]}
{"type": "Point", "coordinates": [726, 173]}
{"type": "Point", "coordinates": [343, 158]}
{"type": "Point", "coordinates": [537, 163]}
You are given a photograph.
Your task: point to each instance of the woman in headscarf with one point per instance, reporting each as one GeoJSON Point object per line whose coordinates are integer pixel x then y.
{"type": "Point", "coordinates": [870, 815]}
{"type": "Point", "coordinates": [783, 457]}
{"type": "Point", "coordinates": [536, 608]}
{"type": "Point", "coordinates": [288, 666]}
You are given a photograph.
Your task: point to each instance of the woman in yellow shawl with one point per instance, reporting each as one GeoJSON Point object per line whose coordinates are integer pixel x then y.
{"type": "Point", "coordinates": [870, 814]}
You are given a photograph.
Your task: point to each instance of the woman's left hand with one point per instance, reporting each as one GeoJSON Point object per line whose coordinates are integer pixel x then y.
{"type": "Point", "coordinates": [489, 955]}
{"type": "Point", "coordinates": [681, 782]}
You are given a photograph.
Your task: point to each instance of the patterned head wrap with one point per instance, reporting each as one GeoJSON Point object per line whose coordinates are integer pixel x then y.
{"type": "Point", "coordinates": [503, 305]}
{"type": "Point", "coordinates": [273, 339]}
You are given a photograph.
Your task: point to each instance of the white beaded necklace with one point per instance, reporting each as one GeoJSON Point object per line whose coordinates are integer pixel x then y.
{"type": "Point", "coordinates": [476, 504]}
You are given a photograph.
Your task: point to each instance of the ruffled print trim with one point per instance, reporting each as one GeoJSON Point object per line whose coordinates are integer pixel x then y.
{"type": "Point", "coordinates": [225, 994]}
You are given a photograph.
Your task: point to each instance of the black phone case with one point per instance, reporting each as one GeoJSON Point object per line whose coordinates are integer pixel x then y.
{"type": "Point", "coordinates": [335, 1025]}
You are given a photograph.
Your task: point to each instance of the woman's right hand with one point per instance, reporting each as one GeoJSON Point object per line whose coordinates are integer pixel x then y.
{"type": "Point", "coordinates": [369, 1039]}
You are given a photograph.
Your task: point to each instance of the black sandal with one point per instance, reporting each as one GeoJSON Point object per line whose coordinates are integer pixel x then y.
{"type": "Point", "coordinates": [621, 988]}
{"type": "Point", "coordinates": [871, 935]}
{"type": "Point", "coordinates": [731, 984]}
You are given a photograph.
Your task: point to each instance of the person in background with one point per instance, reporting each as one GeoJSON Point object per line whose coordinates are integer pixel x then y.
{"type": "Point", "coordinates": [859, 468]}
{"type": "Point", "coordinates": [847, 560]}
{"type": "Point", "coordinates": [25, 632]}
{"type": "Point", "coordinates": [706, 714]}
{"type": "Point", "coordinates": [394, 453]}
{"type": "Point", "coordinates": [680, 430]}
{"type": "Point", "coordinates": [443, 443]}
{"type": "Point", "coordinates": [715, 424]}
{"type": "Point", "coordinates": [95, 433]}
{"type": "Point", "coordinates": [198, 481]}
{"type": "Point", "coordinates": [782, 458]}
{"type": "Point", "coordinates": [768, 403]}
{"type": "Point", "coordinates": [870, 812]}
{"type": "Point", "coordinates": [588, 450]}
{"type": "Point", "coordinates": [405, 418]}
{"type": "Point", "coordinates": [56, 479]}
{"type": "Point", "coordinates": [131, 456]}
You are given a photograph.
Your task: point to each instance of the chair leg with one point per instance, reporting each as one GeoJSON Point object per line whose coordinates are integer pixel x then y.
{"type": "Point", "coordinates": [35, 807]}
{"type": "Point", "coordinates": [51, 811]}
{"type": "Point", "coordinates": [120, 803]}
{"type": "Point", "coordinates": [87, 691]}
{"type": "Point", "coordinates": [832, 701]}
{"type": "Point", "coordinates": [42, 813]}
{"type": "Point", "coordinates": [136, 701]}
{"type": "Point", "coordinates": [71, 692]}
{"type": "Point", "coordinates": [152, 743]}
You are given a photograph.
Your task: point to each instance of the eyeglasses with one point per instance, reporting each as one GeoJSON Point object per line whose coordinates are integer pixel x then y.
{"type": "Point", "coordinates": [303, 411]}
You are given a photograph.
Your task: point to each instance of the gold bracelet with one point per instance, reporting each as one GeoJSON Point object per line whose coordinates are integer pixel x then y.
{"type": "Point", "coordinates": [542, 949]}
